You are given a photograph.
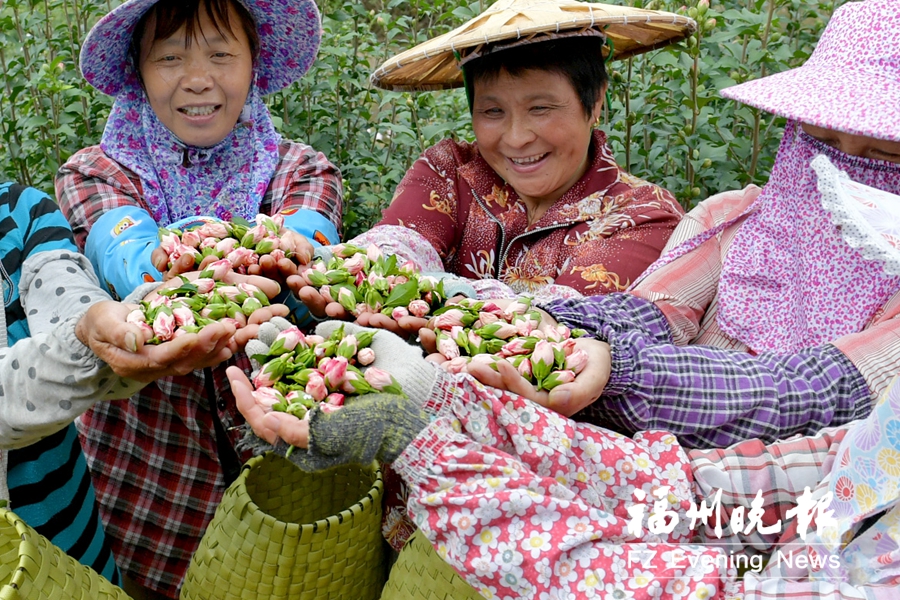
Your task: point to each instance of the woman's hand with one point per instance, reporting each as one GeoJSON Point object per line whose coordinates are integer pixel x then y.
{"type": "Point", "coordinates": [296, 246]}
{"type": "Point", "coordinates": [268, 426]}
{"type": "Point", "coordinates": [566, 399]}
{"type": "Point", "coordinates": [121, 345]}
{"type": "Point", "coordinates": [184, 264]}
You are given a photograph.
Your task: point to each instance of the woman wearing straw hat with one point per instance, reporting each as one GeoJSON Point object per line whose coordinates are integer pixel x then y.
{"type": "Point", "coordinates": [537, 204]}
{"type": "Point", "coordinates": [189, 136]}
{"type": "Point", "coordinates": [761, 320]}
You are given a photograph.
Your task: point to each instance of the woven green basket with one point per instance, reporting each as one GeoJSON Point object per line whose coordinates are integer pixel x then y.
{"type": "Point", "coordinates": [421, 574]}
{"type": "Point", "coordinates": [32, 568]}
{"type": "Point", "coordinates": [283, 533]}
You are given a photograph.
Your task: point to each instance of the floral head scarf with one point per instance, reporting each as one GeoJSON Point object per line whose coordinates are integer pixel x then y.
{"type": "Point", "coordinates": [226, 180]}
{"type": "Point", "coordinates": [789, 281]}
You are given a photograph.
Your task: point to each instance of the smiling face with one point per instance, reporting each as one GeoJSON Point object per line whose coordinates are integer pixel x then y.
{"type": "Point", "coordinates": [855, 145]}
{"type": "Point", "coordinates": [198, 90]}
{"type": "Point", "coordinates": [533, 131]}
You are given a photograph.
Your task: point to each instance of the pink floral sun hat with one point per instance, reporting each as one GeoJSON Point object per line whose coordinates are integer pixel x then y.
{"type": "Point", "coordinates": [289, 35]}
{"type": "Point", "coordinates": [856, 63]}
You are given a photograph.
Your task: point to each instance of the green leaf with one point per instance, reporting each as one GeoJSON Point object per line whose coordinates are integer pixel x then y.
{"type": "Point", "coordinates": [402, 294]}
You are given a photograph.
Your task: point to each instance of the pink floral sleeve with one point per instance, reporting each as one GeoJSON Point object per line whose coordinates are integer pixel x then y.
{"type": "Point", "coordinates": [525, 503]}
{"type": "Point", "coordinates": [404, 242]}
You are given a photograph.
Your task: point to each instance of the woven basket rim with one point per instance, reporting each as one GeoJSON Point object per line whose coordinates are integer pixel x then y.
{"type": "Point", "coordinates": [371, 496]}
{"type": "Point", "coordinates": [18, 578]}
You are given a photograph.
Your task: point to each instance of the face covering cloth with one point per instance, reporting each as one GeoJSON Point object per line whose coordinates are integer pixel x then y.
{"type": "Point", "coordinates": [789, 280]}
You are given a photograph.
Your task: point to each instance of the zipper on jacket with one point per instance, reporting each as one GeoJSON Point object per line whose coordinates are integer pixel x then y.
{"type": "Point", "coordinates": [499, 249]}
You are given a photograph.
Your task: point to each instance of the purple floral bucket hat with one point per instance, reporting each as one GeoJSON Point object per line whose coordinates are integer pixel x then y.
{"type": "Point", "coordinates": [289, 36]}
{"type": "Point", "coordinates": [856, 63]}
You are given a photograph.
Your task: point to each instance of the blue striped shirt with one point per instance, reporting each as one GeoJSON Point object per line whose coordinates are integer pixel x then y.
{"type": "Point", "coordinates": [49, 485]}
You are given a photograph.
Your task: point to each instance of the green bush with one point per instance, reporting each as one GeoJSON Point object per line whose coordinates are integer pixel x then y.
{"type": "Point", "coordinates": [665, 121]}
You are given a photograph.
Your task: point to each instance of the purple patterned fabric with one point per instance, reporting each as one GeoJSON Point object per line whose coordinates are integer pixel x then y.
{"type": "Point", "coordinates": [789, 280]}
{"type": "Point", "coordinates": [707, 396]}
{"type": "Point", "coordinates": [225, 181]}
{"type": "Point", "coordinates": [289, 36]}
{"type": "Point", "coordinates": [856, 63]}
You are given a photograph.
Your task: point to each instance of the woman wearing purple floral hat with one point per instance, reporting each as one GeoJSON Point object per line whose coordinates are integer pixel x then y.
{"type": "Point", "coordinates": [189, 137]}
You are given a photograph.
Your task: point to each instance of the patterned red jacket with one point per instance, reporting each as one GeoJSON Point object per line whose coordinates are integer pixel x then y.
{"type": "Point", "coordinates": [597, 238]}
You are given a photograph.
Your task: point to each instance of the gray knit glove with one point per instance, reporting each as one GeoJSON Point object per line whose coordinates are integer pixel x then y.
{"type": "Point", "coordinates": [404, 361]}
{"type": "Point", "coordinates": [371, 427]}
{"type": "Point", "coordinates": [266, 334]}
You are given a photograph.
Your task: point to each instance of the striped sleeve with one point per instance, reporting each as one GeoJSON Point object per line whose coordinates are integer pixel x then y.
{"type": "Point", "coordinates": [875, 352]}
{"type": "Point", "coordinates": [30, 222]}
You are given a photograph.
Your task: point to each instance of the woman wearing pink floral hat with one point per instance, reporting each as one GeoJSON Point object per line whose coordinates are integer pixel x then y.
{"type": "Point", "coordinates": [189, 137]}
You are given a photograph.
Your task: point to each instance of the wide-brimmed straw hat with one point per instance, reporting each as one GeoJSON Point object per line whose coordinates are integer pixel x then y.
{"type": "Point", "coordinates": [289, 34]}
{"type": "Point", "coordinates": [433, 65]}
{"type": "Point", "coordinates": [851, 83]}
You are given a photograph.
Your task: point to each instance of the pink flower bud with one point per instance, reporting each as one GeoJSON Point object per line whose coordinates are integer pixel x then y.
{"type": "Point", "coordinates": [505, 331]}
{"type": "Point", "coordinates": [335, 399]}
{"type": "Point", "coordinates": [335, 371]}
{"type": "Point", "coordinates": [267, 397]}
{"type": "Point", "coordinates": [191, 238]}
{"type": "Point", "coordinates": [314, 340]}
{"type": "Point", "coordinates": [419, 308]}
{"type": "Point", "coordinates": [136, 316]}
{"type": "Point", "coordinates": [229, 291]}
{"type": "Point", "coordinates": [164, 326]}
{"type": "Point", "coordinates": [487, 318]}
{"type": "Point", "coordinates": [568, 346]}
{"type": "Point", "coordinates": [168, 242]}
{"type": "Point", "coordinates": [277, 254]}
{"type": "Point", "coordinates": [577, 361]}
{"type": "Point", "coordinates": [543, 353]}
{"type": "Point", "coordinates": [219, 269]}
{"type": "Point", "coordinates": [316, 388]}
{"type": "Point", "coordinates": [378, 379]}
{"type": "Point", "coordinates": [289, 338]}
{"type": "Point", "coordinates": [447, 347]}
{"type": "Point", "coordinates": [485, 359]}
{"type": "Point", "coordinates": [492, 308]}
{"type": "Point", "coordinates": [366, 356]}
{"type": "Point", "coordinates": [558, 378]}
{"type": "Point", "coordinates": [325, 292]}
{"type": "Point", "coordinates": [204, 285]}
{"type": "Point", "coordinates": [213, 230]}
{"type": "Point", "coordinates": [242, 257]}
{"type": "Point", "coordinates": [514, 347]}
{"type": "Point", "coordinates": [515, 308]}
{"type": "Point", "coordinates": [208, 243]}
{"type": "Point", "coordinates": [268, 375]}
{"type": "Point", "coordinates": [457, 365]}
{"type": "Point", "coordinates": [225, 246]}
{"type": "Point", "coordinates": [373, 252]}
{"type": "Point", "coordinates": [348, 347]}
{"type": "Point", "coordinates": [525, 368]}
{"type": "Point", "coordinates": [447, 320]}
{"type": "Point", "coordinates": [328, 408]}
{"type": "Point", "coordinates": [184, 316]}
{"type": "Point", "coordinates": [355, 264]}
{"type": "Point", "coordinates": [399, 312]}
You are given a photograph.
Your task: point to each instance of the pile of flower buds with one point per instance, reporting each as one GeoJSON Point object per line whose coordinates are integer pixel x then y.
{"type": "Point", "coordinates": [478, 330]}
{"type": "Point", "coordinates": [238, 241]}
{"type": "Point", "coordinates": [300, 371]}
{"type": "Point", "coordinates": [366, 281]}
{"type": "Point", "coordinates": [196, 303]}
